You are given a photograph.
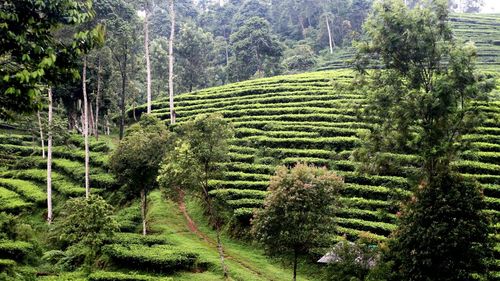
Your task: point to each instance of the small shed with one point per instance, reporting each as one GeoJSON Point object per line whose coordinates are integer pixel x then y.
{"type": "Point", "coordinates": [347, 249]}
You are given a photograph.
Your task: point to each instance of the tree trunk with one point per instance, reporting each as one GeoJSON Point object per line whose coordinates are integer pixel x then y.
{"type": "Point", "coordinates": [49, 161]}
{"type": "Point", "coordinates": [86, 126]}
{"type": "Point", "coordinates": [122, 102]}
{"type": "Point", "coordinates": [41, 133]}
{"type": "Point", "coordinates": [146, 53]}
{"type": "Point", "coordinates": [144, 203]}
{"type": "Point", "coordinates": [213, 215]}
{"type": "Point", "coordinates": [91, 119]}
{"type": "Point", "coordinates": [96, 127]}
{"type": "Point", "coordinates": [301, 22]}
{"type": "Point", "coordinates": [330, 40]}
{"type": "Point", "coordinates": [294, 264]}
{"type": "Point", "coordinates": [171, 61]}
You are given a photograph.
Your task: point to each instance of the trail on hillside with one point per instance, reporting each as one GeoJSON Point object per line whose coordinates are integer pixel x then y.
{"type": "Point", "coordinates": [194, 229]}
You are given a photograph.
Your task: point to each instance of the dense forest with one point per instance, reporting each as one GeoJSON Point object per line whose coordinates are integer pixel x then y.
{"type": "Point", "coordinates": [249, 140]}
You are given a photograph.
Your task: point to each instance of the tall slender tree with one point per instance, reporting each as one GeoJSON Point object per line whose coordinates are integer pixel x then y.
{"type": "Point", "coordinates": [171, 10]}
{"type": "Point", "coordinates": [147, 10]}
{"type": "Point", "coordinates": [86, 126]}
{"type": "Point", "coordinates": [49, 160]}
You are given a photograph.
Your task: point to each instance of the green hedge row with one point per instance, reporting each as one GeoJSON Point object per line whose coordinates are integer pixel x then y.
{"type": "Point", "coordinates": [492, 203]}
{"type": "Point", "coordinates": [319, 117]}
{"type": "Point", "coordinates": [245, 203]}
{"type": "Point", "coordinates": [126, 238]}
{"type": "Point", "coordinates": [76, 170]}
{"type": "Point", "coordinates": [389, 181]}
{"type": "Point", "coordinates": [492, 190]}
{"type": "Point", "coordinates": [474, 167]}
{"type": "Point", "coordinates": [375, 192]}
{"type": "Point", "coordinates": [380, 228]}
{"type": "Point", "coordinates": [484, 179]}
{"type": "Point", "coordinates": [281, 153]}
{"type": "Point", "coordinates": [370, 215]}
{"type": "Point", "coordinates": [291, 161]}
{"type": "Point", "coordinates": [120, 276]}
{"type": "Point", "coordinates": [222, 184]}
{"type": "Point", "coordinates": [243, 213]}
{"type": "Point", "coordinates": [11, 201]}
{"type": "Point", "coordinates": [334, 143]}
{"type": "Point", "coordinates": [363, 203]}
{"type": "Point", "coordinates": [159, 258]}
{"type": "Point", "coordinates": [59, 182]}
{"type": "Point", "coordinates": [266, 125]}
{"type": "Point", "coordinates": [245, 158]}
{"type": "Point", "coordinates": [240, 176]}
{"type": "Point", "coordinates": [354, 234]}
{"type": "Point", "coordinates": [288, 99]}
{"type": "Point", "coordinates": [96, 146]}
{"type": "Point", "coordinates": [486, 146]}
{"type": "Point", "coordinates": [231, 194]}
{"type": "Point", "coordinates": [28, 190]}
{"type": "Point", "coordinates": [15, 250]}
{"type": "Point", "coordinates": [249, 168]}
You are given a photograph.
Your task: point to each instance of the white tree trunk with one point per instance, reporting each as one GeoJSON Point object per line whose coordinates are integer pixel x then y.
{"type": "Point", "coordinates": [49, 161]}
{"type": "Point", "coordinates": [96, 126]}
{"type": "Point", "coordinates": [330, 40]}
{"type": "Point", "coordinates": [146, 53]}
{"type": "Point", "coordinates": [86, 127]}
{"type": "Point", "coordinates": [171, 61]}
{"type": "Point", "coordinates": [41, 133]}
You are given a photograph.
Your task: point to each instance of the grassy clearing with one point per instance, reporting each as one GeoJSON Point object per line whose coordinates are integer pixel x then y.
{"type": "Point", "coordinates": [245, 261]}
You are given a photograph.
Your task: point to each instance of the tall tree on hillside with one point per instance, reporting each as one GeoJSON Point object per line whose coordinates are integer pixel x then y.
{"type": "Point", "coordinates": [193, 48]}
{"type": "Point", "coordinates": [194, 160]}
{"type": "Point", "coordinates": [86, 126]}
{"type": "Point", "coordinates": [147, 10]}
{"type": "Point", "coordinates": [171, 10]}
{"type": "Point", "coordinates": [49, 160]}
{"type": "Point", "coordinates": [136, 160]}
{"type": "Point", "coordinates": [298, 211]}
{"type": "Point", "coordinates": [256, 50]}
{"type": "Point", "coordinates": [423, 101]}
{"type": "Point", "coordinates": [121, 29]}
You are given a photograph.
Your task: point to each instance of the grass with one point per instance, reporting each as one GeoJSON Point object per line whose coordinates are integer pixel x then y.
{"type": "Point", "coordinates": [246, 262]}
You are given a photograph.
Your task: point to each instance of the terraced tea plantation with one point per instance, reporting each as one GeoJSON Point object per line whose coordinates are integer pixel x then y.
{"type": "Point", "coordinates": [23, 192]}
{"type": "Point", "coordinates": [482, 29]}
{"type": "Point", "coordinates": [287, 119]}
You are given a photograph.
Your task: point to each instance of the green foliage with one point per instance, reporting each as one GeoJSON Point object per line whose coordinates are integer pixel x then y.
{"type": "Point", "coordinates": [157, 258]}
{"type": "Point", "coordinates": [16, 250]}
{"type": "Point", "coordinates": [444, 215]}
{"type": "Point", "coordinates": [136, 159]}
{"type": "Point", "coordinates": [27, 189]}
{"type": "Point", "coordinates": [119, 276]}
{"type": "Point", "coordinates": [353, 261]}
{"type": "Point", "coordinates": [31, 55]}
{"type": "Point", "coordinates": [423, 100]}
{"type": "Point", "coordinates": [256, 50]}
{"type": "Point", "coordinates": [194, 159]}
{"type": "Point", "coordinates": [134, 238]}
{"type": "Point", "coordinates": [299, 211]}
{"type": "Point", "coordinates": [81, 229]}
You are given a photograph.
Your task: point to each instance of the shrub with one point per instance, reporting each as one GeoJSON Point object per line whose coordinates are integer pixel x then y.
{"type": "Point", "coordinates": [159, 258]}
{"type": "Point", "coordinates": [82, 228]}
{"type": "Point", "coordinates": [15, 250]}
{"type": "Point", "coordinates": [120, 276]}
{"type": "Point", "coordinates": [27, 189]}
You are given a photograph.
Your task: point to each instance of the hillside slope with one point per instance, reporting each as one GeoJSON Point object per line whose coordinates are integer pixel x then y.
{"type": "Point", "coordinates": [482, 29]}
{"type": "Point", "coordinates": [305, 117]}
